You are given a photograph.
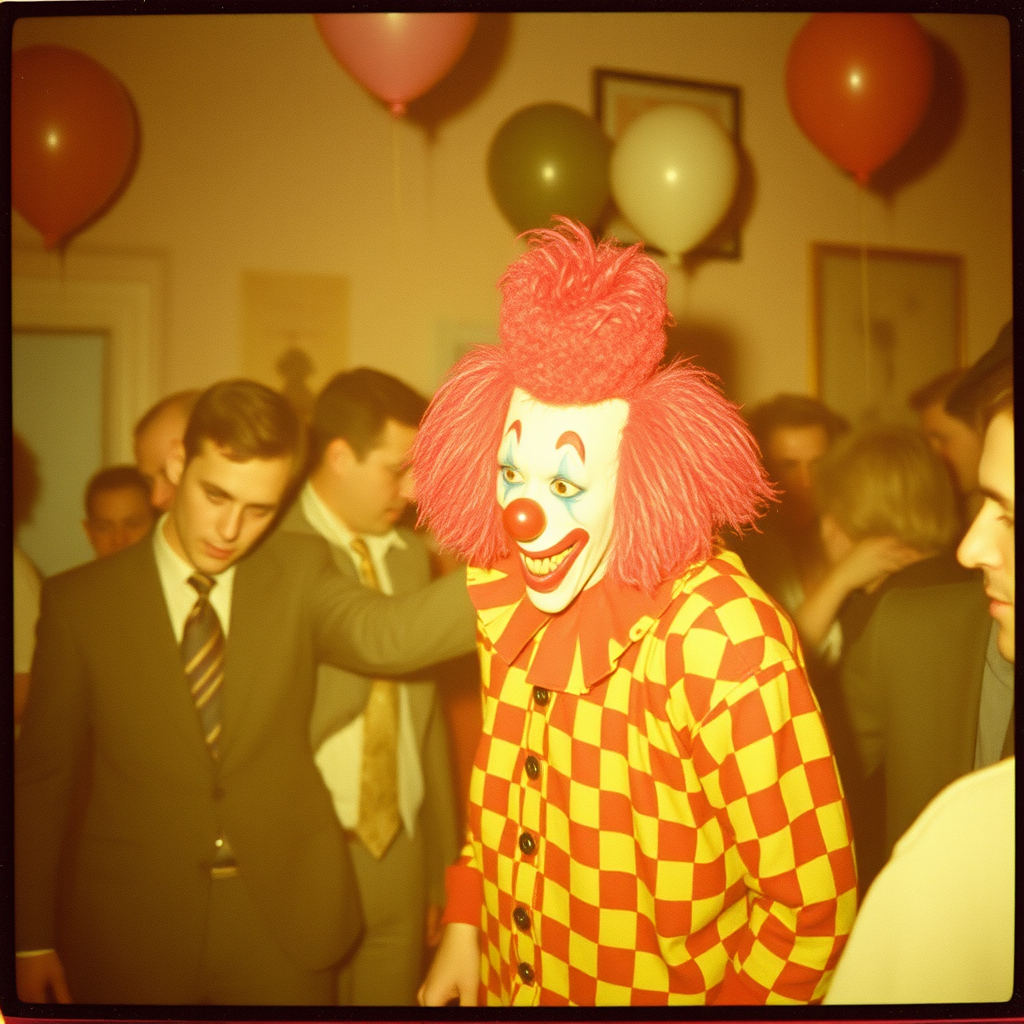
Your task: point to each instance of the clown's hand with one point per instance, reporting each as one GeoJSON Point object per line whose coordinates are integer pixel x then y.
{"type": "Point", "coordinates": [455, 972]}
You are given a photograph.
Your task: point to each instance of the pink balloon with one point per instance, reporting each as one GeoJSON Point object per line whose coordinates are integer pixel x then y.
{"type": "Point", "coordinates": [400, 56]}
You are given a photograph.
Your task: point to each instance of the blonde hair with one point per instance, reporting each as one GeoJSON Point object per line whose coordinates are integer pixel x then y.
{"type": "Point", "coordinates": [886, 481]}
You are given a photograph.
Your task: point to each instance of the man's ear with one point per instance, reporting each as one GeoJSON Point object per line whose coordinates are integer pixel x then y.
{"type": "Point", "coordinates": [339, 456]}
{"type": "Point", "coordinates": [174, 464]}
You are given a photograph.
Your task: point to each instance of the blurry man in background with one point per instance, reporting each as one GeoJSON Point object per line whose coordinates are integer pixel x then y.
{"type": "Point", "coordinates": [380, 744]}
{"type": "Point", "coordinates": [117, 509]}
{"type": "Point", "coordinates": [156, 434]}
{"type": "Point", "coordinates": [956, 442]}
{"type": "Point", "coordinates": [787, 557]}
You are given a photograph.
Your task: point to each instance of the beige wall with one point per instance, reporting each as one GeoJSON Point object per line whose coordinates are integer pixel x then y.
{"type": "Point", "coordinates": [260, 153]}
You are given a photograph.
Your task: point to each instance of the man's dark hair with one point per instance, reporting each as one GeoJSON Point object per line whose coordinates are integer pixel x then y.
{"type": "Point", "coordinates": [355, 405]}
{"type": "Point", "coordinates": [247, 420]}
{"type": "Point", "coordinates": [793, 411]}
{"type": "Point", "coordinates": [935, 390]}
{"type": "Point", "coordinates": [114, 478]}
{"type": "Point", "coordinates": [987, 387]}
{"type": "Point", "coordinates": [184, 400]}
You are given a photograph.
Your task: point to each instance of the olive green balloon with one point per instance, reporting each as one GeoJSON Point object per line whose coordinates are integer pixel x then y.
{"type": "Point", "coordinates": [549, 159]}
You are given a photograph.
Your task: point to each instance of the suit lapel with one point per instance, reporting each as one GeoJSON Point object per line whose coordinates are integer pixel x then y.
{"type": "Point", "coordinates": [152, 636]}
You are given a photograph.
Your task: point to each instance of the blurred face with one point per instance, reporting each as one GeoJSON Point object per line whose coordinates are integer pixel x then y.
{"type": "Point", "coordinates": [369, 495]}
{"type": "Point", "coordinates": [954, 442]}
{"type": "Point", "coordinates": [791, 458]}
{"type": "Point", "coordinates": [118, 518]}
{"type": "Point", "coordinates": [989, 543]}
{"type": "Point", "coordinates": [557, 469]}
{"type": "Point", "coordinates": [153, 447]}
{"type": "Point", "coordinates": [221, 508]}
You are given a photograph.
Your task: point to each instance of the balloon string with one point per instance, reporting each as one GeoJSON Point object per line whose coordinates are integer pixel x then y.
{"type": "Point", "coordinates": [864, 306]}
{"type": "Point", "coordinates": [396, 188]}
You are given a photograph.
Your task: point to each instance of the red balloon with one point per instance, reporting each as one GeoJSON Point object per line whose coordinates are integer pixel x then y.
{"type": "Point", "coordinates": [397, 56]}
{"type": "Point", "coordinates": [73, 138]}
{"type": "Point", "coordinates": [858, 86]}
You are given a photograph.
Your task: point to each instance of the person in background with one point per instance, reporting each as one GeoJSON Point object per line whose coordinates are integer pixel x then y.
{"type": "Point", "coordinates": [927, 686]}
{"type": "Point", "coordinates": [785, 554]}
{"type": "Point", "coordinates": [155, 436]}
{"type": "Point", "coordinates": [956, 442]}
{"type": "Point", "coordinates": [938, 923]}
{"type": "Point", "coordinates": [211, 866]}
{"type": "Point", "coordinates": [25, 485]}
{"type": "Point", "coordinates": [885, 501]}
{"type": "Point", "coordinates": [117, 509]}
{"type": "Point", "coordinates": [380, 744]}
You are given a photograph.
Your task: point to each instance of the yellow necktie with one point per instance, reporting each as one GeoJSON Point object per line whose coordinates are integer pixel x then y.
{"type": "Point", "coordinates": [202, 650]}
{"type": "Point", "coordinates": [379, 820]}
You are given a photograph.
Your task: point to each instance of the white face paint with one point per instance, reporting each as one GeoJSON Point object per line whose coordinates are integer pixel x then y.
{"type": "Point", "coordinates": [564, 461]}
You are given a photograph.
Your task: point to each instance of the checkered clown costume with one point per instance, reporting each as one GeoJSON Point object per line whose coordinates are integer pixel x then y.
{"type": "Point", "coordinates": [654, 814]}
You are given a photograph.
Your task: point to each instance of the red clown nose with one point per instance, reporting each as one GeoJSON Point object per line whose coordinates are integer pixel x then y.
{"type": "Point", "coordinates": [523, 519]}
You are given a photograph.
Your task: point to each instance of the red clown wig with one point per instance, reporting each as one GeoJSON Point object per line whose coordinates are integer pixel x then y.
{"type": "Point", "coordinates": [581, 323]}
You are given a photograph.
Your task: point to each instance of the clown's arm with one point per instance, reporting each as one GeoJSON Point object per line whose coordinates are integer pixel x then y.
{"type": "Point", "coordinates": [455, 970]}
{"type": "Point", "coordinates": [766, 766]}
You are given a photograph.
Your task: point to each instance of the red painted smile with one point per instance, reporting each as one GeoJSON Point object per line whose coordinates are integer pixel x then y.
{"type": "Point", "coordinates": [545, 570]}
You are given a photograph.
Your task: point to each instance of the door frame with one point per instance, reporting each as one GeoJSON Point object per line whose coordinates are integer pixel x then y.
{"type": "Point", "coordinates": [116, 295]}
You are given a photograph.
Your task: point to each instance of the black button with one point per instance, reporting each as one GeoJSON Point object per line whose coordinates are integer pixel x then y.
{"type": "Point", "coordinates": [527, 844]}
{"type": "Point", "coordinates": [526, 973]}
{"type": "Point", "coordinates": [541, 696]}
{"type": "Point", "coordinates": [532, 767]}
{"type": "Point", "coordinates": [218, 792]}
{"type": "Point", "coordinates": [521, 918]}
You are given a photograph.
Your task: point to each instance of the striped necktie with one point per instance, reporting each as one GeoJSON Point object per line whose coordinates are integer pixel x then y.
{"type": "Point", "coordinates": [202, 650]}
{"type": "Point", "coordinates": [379, 820]}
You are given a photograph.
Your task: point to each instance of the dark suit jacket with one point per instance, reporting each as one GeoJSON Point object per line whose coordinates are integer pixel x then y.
{"type": "Point", "coordinates": [107, 664]}
{"type": "Point", "coordinates": [912, 683]}
{"type": "Point", "coordinates": [341, 697]}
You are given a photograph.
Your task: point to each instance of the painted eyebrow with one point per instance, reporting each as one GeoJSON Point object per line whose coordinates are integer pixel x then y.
{"type": "Point", "coordinates": [571, 437]}
{"type": "Point", "coordinates": [518, 428]}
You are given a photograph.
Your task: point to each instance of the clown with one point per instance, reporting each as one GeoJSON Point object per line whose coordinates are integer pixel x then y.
{"type": "Point", "coordinates": [655, 815]}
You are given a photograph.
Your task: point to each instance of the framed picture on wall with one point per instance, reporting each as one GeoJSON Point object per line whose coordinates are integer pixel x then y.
{"type": "Point", "coordinates": [886, 321]}
{"type": "Point", "coordinates": [620, 97]}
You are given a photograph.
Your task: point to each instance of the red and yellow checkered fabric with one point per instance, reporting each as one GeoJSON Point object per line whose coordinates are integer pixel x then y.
{"type": "Point", "coordinates": [655, 815]}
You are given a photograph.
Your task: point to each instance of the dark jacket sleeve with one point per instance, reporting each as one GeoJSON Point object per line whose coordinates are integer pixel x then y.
{"type": "Point", "coordinates": [367, 632]}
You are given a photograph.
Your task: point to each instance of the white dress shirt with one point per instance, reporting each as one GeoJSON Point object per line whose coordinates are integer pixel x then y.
{"type": "Point", "coordinates": [340, 757]}
{"type": "Point", "coordinates": [179, 596]}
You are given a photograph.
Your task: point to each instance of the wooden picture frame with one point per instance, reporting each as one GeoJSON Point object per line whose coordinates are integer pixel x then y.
{"type": "Point", "coordinates": [622, 96]}
{"type": "Point", "coordinates": [914, 306]}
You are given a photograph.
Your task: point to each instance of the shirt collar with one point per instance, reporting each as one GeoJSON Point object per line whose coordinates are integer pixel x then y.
{"type": "Point", "coordinates": [574, 649]}
{"type": "Point", "coordinates": [329, 526]}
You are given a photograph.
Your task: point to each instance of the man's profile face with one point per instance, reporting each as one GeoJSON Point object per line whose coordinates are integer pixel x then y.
{"type": "Point", "coordinates": [117, 518]}
{"type": "Point", "coordinates": [557, 466]}
{"type": "Point", "coordinates": [791, 458]}
{"type": "Point", "coordinates": [221, 508]}
{"type": "Point", "coordinates": [989, 543]}
{"type": "Point", "coordinates": [955, 443]}
{"type": "Point", "coordinates": [373, 492]}
{"type": "Point", "coordinates": [153, 447]}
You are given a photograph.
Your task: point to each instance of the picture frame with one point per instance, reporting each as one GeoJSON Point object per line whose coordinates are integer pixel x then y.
{"type": "Point", "coordinates": [622, 96]}
{"type": "Point", "coordinates": [914, 306]}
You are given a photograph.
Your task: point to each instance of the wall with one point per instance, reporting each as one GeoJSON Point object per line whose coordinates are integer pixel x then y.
{"type": "Point", "coordinates": [260, 153]}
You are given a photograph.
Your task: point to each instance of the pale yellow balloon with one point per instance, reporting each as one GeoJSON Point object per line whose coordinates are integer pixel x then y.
{"type": "Point", "coordinates": [673, 175]}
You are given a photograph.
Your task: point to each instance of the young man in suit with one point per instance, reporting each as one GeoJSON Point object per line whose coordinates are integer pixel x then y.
{"type": "Point", "coordinates": [381, 744]}
{"type": "Point", "coordinates": [211, 867]}
{"type": "Point", "coordinates": [928, 685]}
{"type": "Point", "coordinates": [938, 924]}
